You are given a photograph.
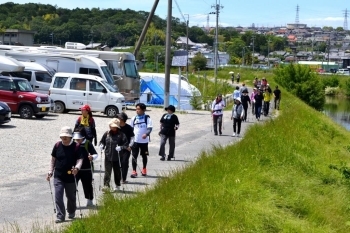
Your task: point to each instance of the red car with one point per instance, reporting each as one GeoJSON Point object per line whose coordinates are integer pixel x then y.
{"type": "Point", "coordinates": [22, 100]}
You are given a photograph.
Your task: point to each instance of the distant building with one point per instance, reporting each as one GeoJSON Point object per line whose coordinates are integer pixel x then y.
{"type": "Point", "coordinates": [17, 37]}
{"type": "Point", "coordinates": [294, 25]}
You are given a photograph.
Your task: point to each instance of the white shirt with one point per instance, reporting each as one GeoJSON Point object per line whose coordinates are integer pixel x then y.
{"type": "Point", "coordinates": [140, 128]}
{"type": "Point", "coordinates": [218, 107]}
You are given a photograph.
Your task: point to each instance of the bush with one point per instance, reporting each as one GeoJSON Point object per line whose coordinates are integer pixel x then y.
{"type": "Point", "coordinates": [330, 82]}
{"type": "Point", "coordinates": [303, 83]}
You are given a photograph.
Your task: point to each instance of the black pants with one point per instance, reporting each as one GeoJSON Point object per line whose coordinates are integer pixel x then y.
{"type": "Point", "coordinates": [245, 108]}
{"type": "Point", "coordinates": [217, 119]}
{"type": "Point", "coordinates": [109, 165]}
{"type": "Point", "coordinates": [163, 139]}
{"type": "Point", "coordinates": [86, 180]}
{"type": "Point", "coordinates": [124, 159]}
{"type": "Point", "coordinates": [237, 122]}
{"type": "Point", "coordinates": [141, 148]}
{"type": "Point", "coordinates": [266, 107]}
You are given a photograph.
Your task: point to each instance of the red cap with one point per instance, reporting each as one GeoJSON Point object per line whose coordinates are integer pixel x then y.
{"type": "Point", "coordinates": [86, 107]}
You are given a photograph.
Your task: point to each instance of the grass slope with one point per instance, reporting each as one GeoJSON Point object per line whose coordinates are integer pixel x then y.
{"type": "Point", "coordinates": [277, 179]}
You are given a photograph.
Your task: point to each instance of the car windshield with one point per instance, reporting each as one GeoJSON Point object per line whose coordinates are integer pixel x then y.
{"type": "Point", "coordinates": [109, 87]}
{"type": "Point", "coordinates": [108, 75]}
{"type": "Point", "coordinates": [130, 69]}
{"type": "Point", "coordinates": [23, 85]}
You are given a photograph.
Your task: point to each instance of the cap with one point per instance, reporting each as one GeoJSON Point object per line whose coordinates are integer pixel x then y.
{"type": "Point", "coordinates": [122, 116]}
{"type": "Point", "coordinates": [171, 108]}
{"type": "Point", "coordinates": [86, 107]}
{"type": "Point", "coordinates": [66, 131]}
{"type": "Point", "coordinates": [114, 123]}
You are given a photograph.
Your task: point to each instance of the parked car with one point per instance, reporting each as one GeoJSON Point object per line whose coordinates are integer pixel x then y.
{"type": "Point", "coordinates": [343, 71]}
{"type": "Point", "coordinates": [5, 113]}
{"type": "Point", "coordinates": [70, 91]}
{"type": "Point", "coordinates": [21, 98]}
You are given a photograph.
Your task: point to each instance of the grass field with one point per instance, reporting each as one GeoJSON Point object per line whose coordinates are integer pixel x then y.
{"type": "Point", "coordinates": [277, 179]}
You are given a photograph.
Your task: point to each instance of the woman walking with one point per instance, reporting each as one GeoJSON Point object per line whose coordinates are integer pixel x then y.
{"type": "Point", "coordinates": [85, 124]}
{"type": "Point", "coordinates": [237, 116]}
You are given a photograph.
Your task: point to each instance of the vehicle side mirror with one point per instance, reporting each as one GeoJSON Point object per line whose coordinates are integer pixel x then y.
{"type": "Point", "coordinates": [14, 90]}
{"type": "Point", "coordinates": [104, 91]}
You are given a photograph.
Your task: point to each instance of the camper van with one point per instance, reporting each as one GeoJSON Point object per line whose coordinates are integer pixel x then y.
{"type": "Point", "coordinates": [122, 65]}
{"type": "Point", "coordinates": [70, 91]}
{"type": "Point", "coordinates": [38, 76]}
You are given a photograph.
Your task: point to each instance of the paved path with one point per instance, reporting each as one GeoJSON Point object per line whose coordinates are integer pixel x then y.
{"type": "Point", "coordinates": [25, 154]}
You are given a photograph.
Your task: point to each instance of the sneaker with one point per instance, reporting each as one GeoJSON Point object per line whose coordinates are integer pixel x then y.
{"type": "Point", "coordinates": [169, 158]}
{"type": "Point", "coordinates": [234, 135]}
{"type": "Point", "coordinates": [89, 203]}
{"type": "Point", "coordinates": [59, 220]}
{"type": "Point", "coordinates": [133, 174]}
{"type": "Point", "coordinates": [116, 189]}
{"type": "Point", "coordinates": [125, 182]}
{"type": "Point", "coordinates": [71, 216]}
{"type": "Point", "coordinates": [144, 172]}
{"type": "Point", "coordinates": [162, 158]}
{"type": "Point", "coordinates": [238, 135]}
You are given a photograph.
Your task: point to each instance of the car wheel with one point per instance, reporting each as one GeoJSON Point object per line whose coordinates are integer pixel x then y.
{"type": "Point", "coordinates": [59, 107]}
{"type": "Point", "coordinates": [112, 111]}
{"type": "Point", "coordinates": [39, 116]}
{"type": "Point", "coordinates": [25, 112]}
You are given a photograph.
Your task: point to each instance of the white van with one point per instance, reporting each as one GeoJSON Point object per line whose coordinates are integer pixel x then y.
{"type": "Point", "coordinates": [343, 71]}
{"type": "Point", "coordinates": [37, 75]}
{"type": "Point", "coordinates": [70, 91]}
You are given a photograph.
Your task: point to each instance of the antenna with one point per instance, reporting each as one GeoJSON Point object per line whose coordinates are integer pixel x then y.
{"type": "Point", "coordinates": [345, 20]}
{"type": "Point", "coordinates": [297, 17]}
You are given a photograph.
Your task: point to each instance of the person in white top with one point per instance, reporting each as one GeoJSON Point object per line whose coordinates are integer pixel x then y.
{"type": "Point", "coordinates": [142, 125]}
{"type": "Point", "coordinates": [217, 108]}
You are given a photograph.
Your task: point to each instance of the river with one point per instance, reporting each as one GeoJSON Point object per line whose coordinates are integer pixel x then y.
{"type": "Point", "coordinates": [338, 109]}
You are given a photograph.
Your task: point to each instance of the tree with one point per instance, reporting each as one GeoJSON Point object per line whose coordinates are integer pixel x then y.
{"type": "Point", "coordinates": [199, 61]}
{"type": "Point", "coordinates": [303, 83]}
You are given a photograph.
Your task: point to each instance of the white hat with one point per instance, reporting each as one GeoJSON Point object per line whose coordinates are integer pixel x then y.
{"type": "Point", "coordinates": [239, 99]}
{"type": "Point", "coordinates": [114, 123]}
{"type": "Point", "coordinates": [77, 135]}
{"type": "Point", "coordinates": [66, 131]}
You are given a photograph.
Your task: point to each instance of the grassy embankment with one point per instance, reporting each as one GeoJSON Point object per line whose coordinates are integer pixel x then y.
{"type": "Point", "coordinates": [277, 179]}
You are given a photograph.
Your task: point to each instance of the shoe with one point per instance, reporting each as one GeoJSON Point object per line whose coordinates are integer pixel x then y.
{"type": "Point", "coordinates": [125, 182]}
{"type": "Point", "coordinates": [59, 220]}
{"type": "Point", "coordinates": [89, 203]}
{"type": "Point", "coordinates": [106, 189]}
{"type": "Point", "coordinates": [71, 216]}
{"type": "Point", "coordinates": [216, 134]}
{"type": "Point", "coordinates": [234, 135]}
{"type": "Point", "coordinates": [133, 174]}
{"type": "Point", "coordinates": [169, 158]}
{"type": "Point", "coordinates": [238, 135]}
{"type": "Point", "coordinates": [144, 172]}
{"type": "Point", "coordinates": [162, 158]}
{"type": "Point", "coordinates": [116, 189]}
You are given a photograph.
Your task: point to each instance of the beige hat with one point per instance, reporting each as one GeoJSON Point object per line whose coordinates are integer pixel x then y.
{"type": "Point", "coordinates": [114, 123]}
{"type": "Point", "coordinates": [66, 131]}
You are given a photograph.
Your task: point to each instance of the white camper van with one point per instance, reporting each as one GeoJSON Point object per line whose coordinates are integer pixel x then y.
{"type": "Point", "coordinates": [37, 75]}
{"type": "Point", "coordinates": [71, 91]}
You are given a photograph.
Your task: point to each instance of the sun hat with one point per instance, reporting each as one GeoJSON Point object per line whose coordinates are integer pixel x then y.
{"type": "Point", "coordinates": [77, 135]}
{"type": "Point", "coordinates": [114, 123]}
{"type": "Point", "coordinates": [66, 131]}
{"type": "Point", "coordinates": [122, 116]}
{"type": "Point", "coordinates": [239, 99]}
{"type": "Point", "coordinates": [86, 107]}
{"type": "Point", "coordinates": [171, 108]}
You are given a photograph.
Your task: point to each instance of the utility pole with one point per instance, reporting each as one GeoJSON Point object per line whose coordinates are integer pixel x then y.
{"type": "Point", "coordinates": [217, 8]}
{"type": "Point", "coordinates": [188, 19]}
{"type": "Point", "coordinates": [168, 54]}
{"type": "Point", "coordinates": [51, 35]}
{"type": "Point", "coordinates": [253, 39]}
{"type": "Point", "coordinates": [268, 52]}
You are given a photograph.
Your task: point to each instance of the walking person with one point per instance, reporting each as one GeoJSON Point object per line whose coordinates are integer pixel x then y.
{"type": "Point", "coordinates": [245, 99]}
{"type": "Point", "coordinates": [237, 116]}
{"type": "Point", "coordinates": [114, 142]}
{"type": "Point", "coordinates": [143, 126]}
{"type": "Point", "coordinates": [169, 123]}
{"type": "Point", "coordinates": [233, 77]}
{"type": "Point", "coordinates": [66, 161]}
{"type": "Point", "coordinates": [236, 93]}
{"type": "Point", "coordinates": [86, 174]}
{"type": "Point", "coordinates": [252, 100]}
{"type": "Point", "coordinates": [238, 77]}
{"type": "Point", "coordinates": [129, 133]}
{"type": "Point", "coordinates": [85, 124]}
{"type": "Point", "coordinates": [242, 89]}
{"type": "Point", "coordinates": [217, 108]}
{"type": "Point", "coordinates": [267, 98]}
{"type": "Point", "coordinates": [277, 97]}
{"type": "Point", "coordinates": [258, 104]}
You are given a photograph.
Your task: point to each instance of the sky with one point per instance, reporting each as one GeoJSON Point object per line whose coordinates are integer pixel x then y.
{"type": "Point", "coordinates": [266, 13]}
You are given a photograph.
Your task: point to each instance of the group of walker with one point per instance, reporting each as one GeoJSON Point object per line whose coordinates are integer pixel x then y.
{"type": "Point", "coordinates": [259, 100]}
{"type": "Point", "coordinates": [72, 157]}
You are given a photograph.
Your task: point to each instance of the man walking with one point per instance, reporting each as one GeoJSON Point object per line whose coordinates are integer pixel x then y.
{"type": "Point", "coordinates": [169, 123]}
{"type": "Point", "coordinates": [217, 113]}
{"type": "Point", "coordinates": [277, 96]}
{"type": "Point", "coordinates": [143, 126]}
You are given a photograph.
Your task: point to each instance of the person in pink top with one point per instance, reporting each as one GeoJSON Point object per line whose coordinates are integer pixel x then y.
{"type": "Point", "coordinates": [252, 100]}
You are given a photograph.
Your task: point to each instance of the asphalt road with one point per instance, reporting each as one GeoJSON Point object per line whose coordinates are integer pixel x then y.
{"type": "Point", "coordinates": [25, 151]}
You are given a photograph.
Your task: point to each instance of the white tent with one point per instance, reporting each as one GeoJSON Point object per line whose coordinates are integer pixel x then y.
{"type": "Point", "coordinates": [187, 89]}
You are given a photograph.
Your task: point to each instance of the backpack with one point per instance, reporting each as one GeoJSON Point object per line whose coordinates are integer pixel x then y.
{"type": "Point", "coordinates": [146, 116]}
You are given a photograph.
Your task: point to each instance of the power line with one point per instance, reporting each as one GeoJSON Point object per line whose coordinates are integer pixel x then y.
{"type": "Point", "coordinates": [345, 20]}
{"type": "Point", "coordinates": [217, 8]}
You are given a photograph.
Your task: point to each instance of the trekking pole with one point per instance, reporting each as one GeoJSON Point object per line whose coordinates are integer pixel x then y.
{"type": "Point", "coordinates": [223, 125]}
{"type": "Point", "coordinates": [100, 187]}
{"type": "Point", "coordinates": [77, 193]}
{"type": "Point", "coordinates": [93, 182]}
{"type": "Point", "coordinates": [121, 171]}
{"type": "Point", "coordinates": [53, 203]}
{"type": "Point", "coordinates": [212, 123]}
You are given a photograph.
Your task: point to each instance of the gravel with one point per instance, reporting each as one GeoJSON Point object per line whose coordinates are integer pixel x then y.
{"type": "Point", "coordinates": [25, 151]}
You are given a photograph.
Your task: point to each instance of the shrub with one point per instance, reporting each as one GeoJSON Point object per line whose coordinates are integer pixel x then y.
{"type": "Point", "coordinates": [330, 81]}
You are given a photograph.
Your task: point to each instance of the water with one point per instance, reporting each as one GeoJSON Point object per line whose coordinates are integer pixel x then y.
{"type": "Point", "coordinates": [338, 109]}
